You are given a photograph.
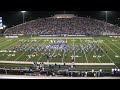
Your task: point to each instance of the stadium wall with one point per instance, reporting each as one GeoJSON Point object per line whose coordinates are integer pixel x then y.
{"type": "Point", "coordinates": [62, 35]}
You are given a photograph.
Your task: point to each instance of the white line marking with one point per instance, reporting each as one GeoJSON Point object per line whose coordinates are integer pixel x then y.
{"type": "Point", "coordinates": [9, 46]}
{"type": "Point", "coordinates": [63, 56]}
{"type": "Point", "coordinates": [3, 41]}
{"type": "Point", "coordinates": [33, 45]}
{"type": "Point", "coordinates": [85, 54]}
{"type": "Point", "coordinates": [74, 46]}
{"type": "Point", "coordinates": [106, 54]}
{"type": "Point", "coordinates": [96, 55]}
{"type": "Point", "coordinates": [111, 49]}
{"type": "Point", "coordinates": [21, 54]}
{"type": "Point", "coordinates": [113, 44]}
{"type": "Point", "coordinates": [30, 62]}
{"type": "Point", "coordinates": [19, 57]}
{"type": "Point", "coordinates": [118, 42]}
{"type": "Point", "coordinates": [42, 44]}
{"type": "Point", "coordinates": [6, 43]}
{"type": "Point", "coordinates": [63, 53]}
{"type": "Point", "coordinates": [53, 52]}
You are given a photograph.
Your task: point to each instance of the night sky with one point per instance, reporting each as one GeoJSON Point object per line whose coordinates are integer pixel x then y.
{"type": "Point", "coordinates": [12, 18]}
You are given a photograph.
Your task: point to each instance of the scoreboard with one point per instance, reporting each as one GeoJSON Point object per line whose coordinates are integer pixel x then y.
{"type": "Point", "coordinates": [1, 24]}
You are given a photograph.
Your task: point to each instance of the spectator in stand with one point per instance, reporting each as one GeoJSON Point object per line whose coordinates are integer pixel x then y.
{"type": "Point", "coordinates": [71, 26]}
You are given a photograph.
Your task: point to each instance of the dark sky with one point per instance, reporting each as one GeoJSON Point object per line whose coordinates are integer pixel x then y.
{"type": "Point", "coordinates": [11, 18]}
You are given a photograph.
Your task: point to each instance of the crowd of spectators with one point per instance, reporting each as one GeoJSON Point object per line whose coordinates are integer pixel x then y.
{"type": "Point", "coordinates": [52, 71]}
{"type": "Point", "coordinates": [68, 26]}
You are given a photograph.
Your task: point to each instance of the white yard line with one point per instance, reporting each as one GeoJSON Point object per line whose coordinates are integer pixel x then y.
{"type": "Point", "coordinates": [6, 43]}
{"type": "Point", "coordinates": [73, 46]}
{"type": "Point", "coordinates": [28, 57]}
{"type": "Point", "coordinates": [63, 53]}
{"type": "Point", "coordinates": [106, 54]}
{"type": "Point", "coordinates": [85, 55]}
{"type": "Point", "coordinates": [53, 52]}
{"type": "Point", "coordinates": [41, 55]}
{"type": "Point", "coordinates": [63, 56]}
{"type": "Point", "coordinates": [96, 55]}
{"type": "Point", "coordinates": [74, 50]}
{"type": "Point", "coordinates": [37, 43]}
{"type": "Point", "coordinates": [7, 58]}
{"type": "Point", "coordinates": [113, 44]}
{"type": "Point", "coordinates": [9, 46]}
{"type": "Point", "coordinates": [3, 41]}
{"type": "Point", "coordinates": [20, 55]}
{"type": "Point", "coordinates": [111, 49]}
{"type": "Point", "coordinates": [118, 42]}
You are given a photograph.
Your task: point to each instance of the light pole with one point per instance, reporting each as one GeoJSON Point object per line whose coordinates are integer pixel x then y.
{"type": "Point", "coordinates": [106, 16]}
{"type": "Point", "coordinates": [23, 15]}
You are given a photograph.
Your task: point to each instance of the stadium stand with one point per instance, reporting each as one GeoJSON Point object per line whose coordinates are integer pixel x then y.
{"type": "Point", "coordinates": [60, 25]}
{"type": "Point", "coordinates": [68, 25]}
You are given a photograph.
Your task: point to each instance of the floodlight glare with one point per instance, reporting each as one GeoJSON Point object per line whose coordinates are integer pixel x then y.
{"type": "Point", "coordinates": [23, 15]}
{"type": "Point", "coordinates": [4, 26]}
{"type": "Point", "coordinates": [23, 11]}
{"type": "Point", "coordinates": [100, 70]}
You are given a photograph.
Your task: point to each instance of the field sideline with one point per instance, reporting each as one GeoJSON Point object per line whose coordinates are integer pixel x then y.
{"type": "Point", "coordinates": [109, 46]}
{"type": "Point", "coordinates": [50, 77]}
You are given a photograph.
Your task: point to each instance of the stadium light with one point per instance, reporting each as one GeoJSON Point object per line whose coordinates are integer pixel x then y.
{"type": "Point", "coordinates": [4, 26]}
{"type": "Point", "coordinates": [106, 12]}
{"type": "Point", "coordinates": [23, 15]}
{"type": "Point", "coordinates": [106, 16]}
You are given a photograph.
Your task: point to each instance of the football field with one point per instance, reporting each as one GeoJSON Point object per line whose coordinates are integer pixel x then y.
{"type": "Point", "coordinates": [79, 49]}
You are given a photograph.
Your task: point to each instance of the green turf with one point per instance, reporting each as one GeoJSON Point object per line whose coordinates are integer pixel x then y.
{"type": "Point", "coordinates": [112, 45]}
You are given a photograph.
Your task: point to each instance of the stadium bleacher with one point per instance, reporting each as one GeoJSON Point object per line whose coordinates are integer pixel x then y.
{"type": "Point", "coordinates": [53, 26]}
{"type": "Point", "coordinates": [68, 26]}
